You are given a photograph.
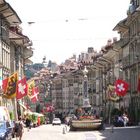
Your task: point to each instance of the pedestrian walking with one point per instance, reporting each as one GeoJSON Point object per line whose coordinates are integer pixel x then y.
{"type": "Point", "coordinates": [38, 121]}
{"type": "Point", "coordinates": [28, 123]}
{"type": "Point", "coordinates": [19, 129]}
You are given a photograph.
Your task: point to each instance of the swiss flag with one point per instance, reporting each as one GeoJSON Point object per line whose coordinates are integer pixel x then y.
{"type": "Point", "coordinates": [49, 108]}
{"type": "Point", "coordinates": [22, 88]}
{"type": "Point", "coordinates": [35, 92]}
{"type": "Point", "coordinates": [138, 87]}
{"type": "Point", "coordinates": [121, 87]}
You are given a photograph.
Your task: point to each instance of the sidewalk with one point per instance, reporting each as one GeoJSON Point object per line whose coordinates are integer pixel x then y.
{"type": "Point", "coordinates": [109, 126]}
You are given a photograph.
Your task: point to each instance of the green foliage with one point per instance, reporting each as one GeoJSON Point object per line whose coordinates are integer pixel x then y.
{"type": "Point", "coordinates": [116, 111]}
{"type": "Point", "coordinates": [29, 74]}
{"type": "Point", "coordinates": [38, 108]}
{"type": "Point", "coordinates": [29, 116]}
{"type": "Point", "coordinates": [34, 118]}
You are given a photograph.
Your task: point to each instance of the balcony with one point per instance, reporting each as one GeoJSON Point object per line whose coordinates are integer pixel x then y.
{"type": "Point", "coordinates": [28, 53]}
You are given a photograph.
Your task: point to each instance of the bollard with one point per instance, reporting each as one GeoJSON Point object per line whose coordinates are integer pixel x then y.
{"type": "Point", "coordinates": [66, 128]}
{"type": "Point", "coordinates": [112, 128]}
{"type": "Point", "coordinates": [64, 131]}
{"type": "Point", "coordinates": [103, 127]}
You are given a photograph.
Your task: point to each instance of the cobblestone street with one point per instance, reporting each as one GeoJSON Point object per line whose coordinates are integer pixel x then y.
{"type": "Point", "coordinates": [49, 132]}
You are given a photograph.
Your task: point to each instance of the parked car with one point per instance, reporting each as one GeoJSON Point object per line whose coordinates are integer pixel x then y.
{"type": "Point", "coordinates": [56, 121]}
{"type": "Point", "coordinates": [5, 130]}
{"type": "Point", "coordinates": [4, 114]}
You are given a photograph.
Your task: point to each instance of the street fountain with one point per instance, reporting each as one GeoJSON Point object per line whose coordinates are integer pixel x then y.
{"type": "Point", "coordinates": [86, 120]}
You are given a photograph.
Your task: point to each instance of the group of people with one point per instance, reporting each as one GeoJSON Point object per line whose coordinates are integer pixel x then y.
{"type": "Point", "coordinates": [121, 120]}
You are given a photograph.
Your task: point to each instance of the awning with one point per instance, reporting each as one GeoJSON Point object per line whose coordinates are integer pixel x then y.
{"type": "Point", "coordinates": [22, 105]}
{"type": "Point", "coordinates": [28, 61]}
{"type": "Point", "coordinates": [28, 112]}
{"type": "Point", "coordinates": [38, 114]}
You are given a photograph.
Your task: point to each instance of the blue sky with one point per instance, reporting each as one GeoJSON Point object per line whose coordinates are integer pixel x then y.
{"type": "Point", "coordinates": [66, 27]}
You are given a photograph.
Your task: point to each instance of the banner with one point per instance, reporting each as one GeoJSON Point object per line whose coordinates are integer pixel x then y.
{"type": "Point", "coordinates": [22, 88]}
{"type": "Point", "coordinates": [10, 86]}
{"type": "Point", "coordinates": [35, 92]}
{"type": "Point", "coordinates": [49, 108]}
{"type": "Point", "coordinates": [30, 86]}
{"type": "Point", "coordinates": [4, 85]}
{"type": "Point", "coordinates": [111, 93]}
{"type": "Point", "coordinates": [121, 87]}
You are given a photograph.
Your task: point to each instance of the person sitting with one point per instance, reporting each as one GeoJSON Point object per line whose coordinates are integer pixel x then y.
{"type": "Point", "coordinates": [125, 119]}
{"type": "Point", "coordinates": [120, 121]}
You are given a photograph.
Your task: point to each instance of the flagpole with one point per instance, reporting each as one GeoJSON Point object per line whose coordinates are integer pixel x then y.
{"type": "Point", "coordinates": [15, 108]}
{"type": "Point", "coordinates": [15, 99]}
{"type": "Point", "coordinates": [19, 78]}
{"type": "Point", "coordinates": [15, 103]}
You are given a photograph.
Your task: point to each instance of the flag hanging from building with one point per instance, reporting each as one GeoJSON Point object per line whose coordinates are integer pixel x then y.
{"type": "Point", "coordinates": [138, 87]}
{"type": "Point", "coordinates": [112, 95]}
{"type": "Point", "coordinates": [35, 92]}
{"type": "Point", "coordinates": [10, 86]}
{"type": "Point", "coordinates": [4, 85]}
{"type": "Point", "coordinates": [121, 87]}
{"type": "Point", "coordinates": [22, 88]}
{"type": "Point", "coordinates": [49, 108]}
{"type": "Point", "coordinates": [30, 86]}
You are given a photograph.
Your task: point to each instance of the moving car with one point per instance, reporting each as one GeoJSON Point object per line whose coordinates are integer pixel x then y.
{"type": "Point", "coordinates": [5, 130]}
{"type": "Point", "coordinates": [56, 121]}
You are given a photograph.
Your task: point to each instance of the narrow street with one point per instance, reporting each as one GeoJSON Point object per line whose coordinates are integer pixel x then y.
{"type": "Point", "coordinates": [49, 132]}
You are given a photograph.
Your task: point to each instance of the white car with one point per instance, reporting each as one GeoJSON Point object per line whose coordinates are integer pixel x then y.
{"type": "Point", "coordinates": [56, 121]}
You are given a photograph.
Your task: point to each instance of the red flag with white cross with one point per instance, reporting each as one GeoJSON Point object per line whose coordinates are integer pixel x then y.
{"type": "Point", "coordinates": [35, 92]}
{"type": "Point", "coordinates": [49, 108]}
{"type": "Point", "coordinates": [4, 84]}
{"type": "Point", "coordinates": [22, 88]}
{"type": "Point", "coordinates": [121, 87]}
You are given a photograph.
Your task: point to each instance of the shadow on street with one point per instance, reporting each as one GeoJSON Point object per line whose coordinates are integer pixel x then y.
{"type": "Point", "coordinates": [121, 133]}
